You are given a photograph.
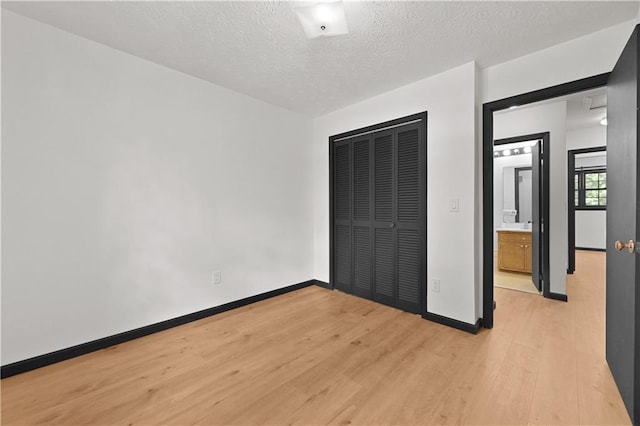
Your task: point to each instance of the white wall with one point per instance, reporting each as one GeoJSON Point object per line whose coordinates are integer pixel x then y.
{"type": "Point", "coordinates": [449, 99]}
{"type": "Point", "coordinates": [591, 229]}
{"type": "Point", "coordinates": [590, 55]}
{"type": "Point", "coordinates": [125, 184]}
{"type": "Point", "coordinates": [587, 137]}
{"type": "Point", "coordinates": [591, 160]}
{"type": "Point", "coordinates": [538, 119]}
{"type": "Point", "coordinates": [505, 185]}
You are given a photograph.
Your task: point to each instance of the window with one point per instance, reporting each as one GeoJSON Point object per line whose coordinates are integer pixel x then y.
{"type": "Point", "coordinates": [590, 189]}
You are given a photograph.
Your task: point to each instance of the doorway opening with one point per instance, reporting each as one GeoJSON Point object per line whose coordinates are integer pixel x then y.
{"type": "Point", "coordinates": [521, 179]}
{"type": "Point", "coordinates": [587, 201]}
{"type": "Point", "coordinates": [598, 81]}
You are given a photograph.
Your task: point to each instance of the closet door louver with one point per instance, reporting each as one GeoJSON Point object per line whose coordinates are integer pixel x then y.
{"type": "Point", "coordinates": [408, 218]}
{"type": "Point", "coordinates": [362, 278]}
{"type": "Point", "coordinates": [384, 234]}
{"type": "Point", "coordinates": [342, 219]}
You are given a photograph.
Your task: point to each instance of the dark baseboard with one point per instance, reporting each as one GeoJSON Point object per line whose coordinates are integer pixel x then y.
{"type": "Point", "coordinates": [557, 296]}
{"type": "Point", "coordinates": [460, 325]}
{"type": "Point", "coordinates": [323, 284]}
{"type": "Point", "coordinates": [591, 249]}
{"type": "Point", "coordinates": [95, 345]}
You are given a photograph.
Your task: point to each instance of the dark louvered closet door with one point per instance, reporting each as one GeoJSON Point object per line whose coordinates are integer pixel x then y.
{"type": "Point", "coordinates": [383, 213]}
{"type": "Point", "coordinates": [379, 195]}
{"type": "Point", "coordinates": [408, 218]}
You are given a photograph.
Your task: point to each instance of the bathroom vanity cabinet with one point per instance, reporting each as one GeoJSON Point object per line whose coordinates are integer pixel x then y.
{"type": "Point", "coordinates": [514, 251]}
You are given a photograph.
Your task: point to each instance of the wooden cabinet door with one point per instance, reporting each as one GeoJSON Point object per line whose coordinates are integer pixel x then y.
{"type": "Point", "coordinates": [528, 256]}
{"type": "Point", "coordinates": [511, 255]}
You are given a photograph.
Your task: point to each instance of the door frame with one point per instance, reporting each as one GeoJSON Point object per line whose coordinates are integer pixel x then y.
{"type": "Point", "coordinates": [544, 139]}
{"type": "Point", "coordinates": [571, 210]}
{"type": "Point", "coordinates": [488, 109]}
{"type": "Point", "coordinates": [419, 117]}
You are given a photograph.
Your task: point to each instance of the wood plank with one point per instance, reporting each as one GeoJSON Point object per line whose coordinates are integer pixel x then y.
{"type": "Point", "coordinates": [324, 357]}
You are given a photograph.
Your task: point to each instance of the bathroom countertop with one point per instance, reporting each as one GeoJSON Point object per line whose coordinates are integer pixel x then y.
{"type": "Point", "coordinates": [513, 230]}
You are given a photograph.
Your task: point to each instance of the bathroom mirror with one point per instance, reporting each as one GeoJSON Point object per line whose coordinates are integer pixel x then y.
{"type": "Point", "coordinates": [517, 192]}
{"type": "Point", "coordinates": [522, 196]}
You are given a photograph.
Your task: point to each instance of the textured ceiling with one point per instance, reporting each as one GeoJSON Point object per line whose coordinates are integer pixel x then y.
{"type": "Point", "coordinates": [259, 48]}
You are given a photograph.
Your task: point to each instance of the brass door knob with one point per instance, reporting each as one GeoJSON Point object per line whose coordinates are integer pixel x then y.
{"type": "Point", "coordinates": [631, 246]}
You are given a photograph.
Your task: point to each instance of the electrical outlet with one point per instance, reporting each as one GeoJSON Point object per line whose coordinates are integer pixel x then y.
{"type": "Point", "coordinates": [435, 286]}
{"type": "Point", "coordinates": [217, 277]}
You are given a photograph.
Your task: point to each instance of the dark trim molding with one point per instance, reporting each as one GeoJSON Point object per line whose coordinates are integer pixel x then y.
{"type": "Point", "coordinates": [591, 249]}
{"type": "Point", "coordinates": [95, 345]}
{"type": "Point", "coordinates": [324, 284]}
{"type": "Point", "coordinates": [558, 296]}
{"type": "Point", "coordinates": [487, 182]}
{"type": "Point", "coordinates": [460, 325]}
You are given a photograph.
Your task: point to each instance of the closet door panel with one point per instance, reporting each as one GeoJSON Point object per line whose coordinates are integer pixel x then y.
{"type": "Point", "coordinates": [362, 247]}
{"type": "Point", "coordinates": [408, 197]}
{"type": "Point", "coordinates": [362, 261]}
{"type": "Point", "coordinates": [384, 282]}
{"type": "Point", "coordinates": [409, 270]}
{"type": "Point", "coordinates": [361, 180]}
{"type": "Point", "coordinates": [342, 219]}
{"type": "Point", "coordinates": [383, 177]}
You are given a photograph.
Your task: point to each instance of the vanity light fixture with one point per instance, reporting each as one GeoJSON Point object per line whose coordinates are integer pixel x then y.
{"type": "Point", "coordinates": [506, 152]}
{"type": "Point", "coordinates": [323, 19]}
{"type": "Point", "coordinates": [516, 151]}
{"type": "Point", "coordinates": [604, 121]}
{"type": "Point", "coordinates": [527, 149]}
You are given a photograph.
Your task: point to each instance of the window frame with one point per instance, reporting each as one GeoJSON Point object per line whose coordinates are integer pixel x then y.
{"type": "Point", "coordinates": [581, 189]}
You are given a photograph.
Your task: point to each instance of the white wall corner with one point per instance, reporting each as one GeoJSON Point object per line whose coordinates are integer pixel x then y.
{"type": "Point", "coordinates": [478, 234]}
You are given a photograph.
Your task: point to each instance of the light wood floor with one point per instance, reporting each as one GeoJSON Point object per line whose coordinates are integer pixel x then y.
{"type": "Point", "coordinates": [512, 280]}
{"type": "Point", "coordinates": [322, 357]}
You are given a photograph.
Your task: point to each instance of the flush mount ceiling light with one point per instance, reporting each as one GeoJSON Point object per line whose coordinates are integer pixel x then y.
{"type": "Point", "coordinates": [604, 121]}
{"type": "Point", "coordinates": [323, 19]}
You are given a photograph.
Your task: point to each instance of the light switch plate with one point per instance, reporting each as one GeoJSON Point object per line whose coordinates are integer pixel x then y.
{"type": "Point", "coordinates": [217, 277]}
{"type": "Point", "coordinates": [435, 286]}
{"type": "Point", "coordinates": [454, 205]}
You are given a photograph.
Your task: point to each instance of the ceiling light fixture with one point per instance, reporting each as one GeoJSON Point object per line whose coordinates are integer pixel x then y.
{"type": "Point", "coordinates": [604, 121]}
{"type": "Point", "coordinates": [323, 19]}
